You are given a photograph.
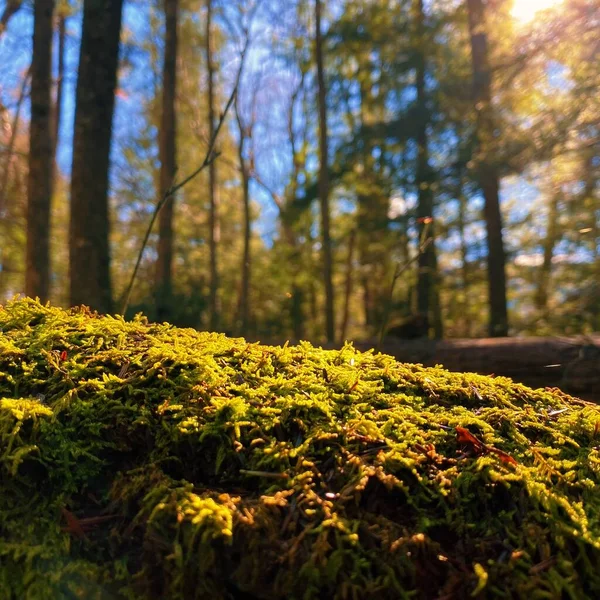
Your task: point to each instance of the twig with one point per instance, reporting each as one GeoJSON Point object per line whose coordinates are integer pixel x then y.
{"type": "Point", "coordinates": [266, 474]}
{"type": "Point", "coordinates": [211, 156]}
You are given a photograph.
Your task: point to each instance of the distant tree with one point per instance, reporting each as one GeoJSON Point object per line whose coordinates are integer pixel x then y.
{"type": "Point", "coordinates": [326, 250]}
{"type": "Point", "coordinates": [487, 172]}
{"type": "Point", "coordinates": [41, 156]}
{"type": "Point", "coordinates": [62, 10]}
{"type": "Point", "coordinates": [214, 225]}
{"type": "Point", "coordinates": [89, 255]}
{"type": "Point", "coordinates": [168, 158]}
{"type": "Point", "coordinates": [349, 280]}
{"type": "Point", "coordinates": [427, 291]}
{"type": "Point", "coordinates": [246, 165]}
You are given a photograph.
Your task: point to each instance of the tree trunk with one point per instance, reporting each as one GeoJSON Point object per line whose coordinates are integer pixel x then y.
{"type": "Point", "coordinates": [426, 287]}
{"type": "Point", "coordinates": [548, 244]}
{"type": "Point", "coordinates": [56, 118]}
{"type": "Point", "coordinates": [168, 157]}
{"type": "Point", "coordinates": [244, 301]}
{"type": "Point", "coordinates": [348, 286]}
{"type": "Point", "coordinates": [324, 181]}
{"type": "Point", "coordinates": [39, 188]}
{"type": "Point", "coordinates": [488, 176]}
{"type": "Point", "coordinates": [89, 252]}
{"type": "Point", "coordinates": [214, 233]}
{"type": "Point", "coordinates": [464, 270]}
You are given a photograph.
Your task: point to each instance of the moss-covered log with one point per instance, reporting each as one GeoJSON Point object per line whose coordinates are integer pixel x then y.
{"type": "Point", "coordinates": [145, 461]}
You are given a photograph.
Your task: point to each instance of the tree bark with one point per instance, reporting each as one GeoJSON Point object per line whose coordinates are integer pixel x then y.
{"type": "Point", "coordinates": [324, 181]}
{"type": "Point", "coordinates": [168, 158]}
{"type": "Point", "coordinates": [348, 286]}
{"type": "Point", "coordinates": [61, 27]}
{"type": "Point", "coordinates": [548, 245]}
{"type": "Point", "coordinates": [214, 233]}
{"type": "Point", "coordinates": [244, 300]}
{"type": "Point", "coordinates": [426, 279]}
{"type": "Point", "coordinates": [464, 270]}
{"type": "Point", "coordinates": [39, 187]}
{"type": "Point", "coordinates": [488, 176]}
{"type": "Point", "coordinates": [89, 252]}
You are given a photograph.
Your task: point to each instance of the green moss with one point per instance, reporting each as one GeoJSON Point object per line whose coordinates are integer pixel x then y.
{"type": "Point", "coordinates": [146, 461]}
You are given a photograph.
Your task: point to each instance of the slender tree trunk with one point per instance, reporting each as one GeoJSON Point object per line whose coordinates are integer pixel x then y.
{"type": "Point", "coordinates": [298, 290]}
{"type": "Point", "coordinates": [548, 244]}
{"type": "Point", "coordinates": [348, 286]}
{"type": "Point", "coordinates": [465, 274]}
{"type": "Point", "coordinates": [244, 301]}
{"type": "Point", "coordinates": [488, 176]}
{"type": "Point", "coordinates": [214, 233]}
{"type": "Point", "coordinates": [426, 287]}
{"type": "Point", "coordinates": [168, 158]}
{"type": "Point", "coordinates": [39, 187]}
{"type": "Point", "coordinates": [89, 252]}
{"type": "Point", "coordinates": [436, 308]}
{"type": "Point", "coordinates": [324, 182]}
{"type": "Point", "coordinates": [61, 27]}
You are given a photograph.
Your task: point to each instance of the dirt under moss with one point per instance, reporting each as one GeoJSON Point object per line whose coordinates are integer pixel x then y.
{"type": "Point", "coordinates": [144, 461]}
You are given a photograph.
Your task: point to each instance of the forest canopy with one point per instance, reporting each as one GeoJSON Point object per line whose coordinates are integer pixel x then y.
{"type": "Point", "coordinates": [365, 161]}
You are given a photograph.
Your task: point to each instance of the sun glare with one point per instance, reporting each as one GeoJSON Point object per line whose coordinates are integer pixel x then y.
{"type": "Point", "coordinates": [525, 10]}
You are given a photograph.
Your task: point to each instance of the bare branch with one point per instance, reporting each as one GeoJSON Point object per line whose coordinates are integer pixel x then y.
{"type": "Point", "coordinates": [211, 156]}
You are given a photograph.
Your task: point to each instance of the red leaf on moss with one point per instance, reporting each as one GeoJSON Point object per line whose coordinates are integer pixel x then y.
{"type": "Point", "coordinates": [73, 525]}
{"type": "Point", "coordinates": [466, 437]}
{"type": "Point", "coordinates": [63, 355]}
{"type": "Point", "coordinates": [507, 459]}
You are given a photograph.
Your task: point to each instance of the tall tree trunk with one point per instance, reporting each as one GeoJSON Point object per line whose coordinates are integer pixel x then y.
{"type": "Point", "coordinates": [214, 233]}
{"type": "Point", "coordinates": [61, 27]}
{"type": "Point", "coordinates": [348, 286]}
{"type": "Point", "coordinates": [465, 272]}
{"type": "Point", "coordinates": [324, 181]}
{"type": "Point", "coordinates": [168, 157]}
{"type": "Point", "coordinates": [89, 252]}
{"type": "Point", "coordinates": [488, 176]}
{"type": "Point", "coordinates": [244, 301]}
{"type": "Point", "coordinates": [426, 278]}
{"type": "Point", "coordinates": [548, 245]}
{"type": "Point", "coordinates": [299, 293]}
{"type": "Point", "coordinates": [39, 187]}
{"type": "Point", "coordinates": [372, 219]}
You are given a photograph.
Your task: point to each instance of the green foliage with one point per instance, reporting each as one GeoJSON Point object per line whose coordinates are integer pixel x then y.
{"type": "Point", "coordinates": [147, 461]}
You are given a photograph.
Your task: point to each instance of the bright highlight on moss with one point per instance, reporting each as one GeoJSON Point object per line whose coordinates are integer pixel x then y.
{"type": "Point", "coordinates": [145, 461]}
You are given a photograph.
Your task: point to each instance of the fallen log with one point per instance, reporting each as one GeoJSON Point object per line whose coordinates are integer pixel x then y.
{"type": "Point", "coordinates": [572, 364]}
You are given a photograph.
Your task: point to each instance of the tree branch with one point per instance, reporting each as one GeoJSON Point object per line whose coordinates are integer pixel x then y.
{"type": "Point", "coordinates": [211, 156]}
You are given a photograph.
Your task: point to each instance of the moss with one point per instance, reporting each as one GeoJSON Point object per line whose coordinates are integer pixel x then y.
{"type": "Point", "coordinates": [146, 461]}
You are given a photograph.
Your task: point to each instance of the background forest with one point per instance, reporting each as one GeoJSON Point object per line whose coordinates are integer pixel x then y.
{"type": "Point", "coordinates": [375, 159]}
